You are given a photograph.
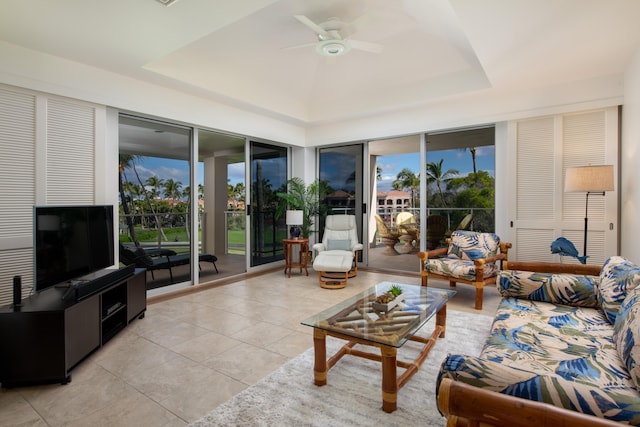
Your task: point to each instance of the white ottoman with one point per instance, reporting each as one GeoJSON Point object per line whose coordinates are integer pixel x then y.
{"type": "Point", "coordinates": [333, 266]}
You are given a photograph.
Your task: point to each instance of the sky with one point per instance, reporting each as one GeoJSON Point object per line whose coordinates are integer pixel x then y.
{"type": "Point", "coordinates": [453, 159]}
{"type": "Point", "coordinates": [390, 166]}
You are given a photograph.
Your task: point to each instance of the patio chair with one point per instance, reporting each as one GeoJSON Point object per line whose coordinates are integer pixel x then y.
{"type": "Point", "coordinates": [436, 228]}
{"type": "Point", "coordinates": [388, 236]}
{"type": "Point", "coordinates": [142, 260]}
{"type": "Point", "coordinates": [408, 231]}
{"type": "Point", "coordinates": [470, 258]}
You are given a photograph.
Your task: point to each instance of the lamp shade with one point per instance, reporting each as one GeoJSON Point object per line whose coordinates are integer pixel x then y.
{"type": "Point", "coordinates": [596, 179]}
{"type": "Point", "coordinates": [294, 218]}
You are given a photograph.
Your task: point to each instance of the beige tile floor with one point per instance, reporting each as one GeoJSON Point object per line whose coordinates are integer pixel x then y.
{"type": "Point", "coordinates": [193, 352]}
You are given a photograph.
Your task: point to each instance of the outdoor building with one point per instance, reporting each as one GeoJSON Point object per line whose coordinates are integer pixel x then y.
{"type": "Point", "coordinates": [392, 202]}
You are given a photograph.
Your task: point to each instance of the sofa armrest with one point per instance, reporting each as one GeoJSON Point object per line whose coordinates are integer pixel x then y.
{"type": "Point", "coordinates": [432, 254]}
{"type": "Point", "coordinates": [425, 256]}
{"type": "Point", "coordinates": [616, 404]}
{"type": "Point", "coordinates": [552, 267]}
{"type": "Point", "coordinates": [491, 259]}
{"type": "Point", "coordinates": [465, 405]}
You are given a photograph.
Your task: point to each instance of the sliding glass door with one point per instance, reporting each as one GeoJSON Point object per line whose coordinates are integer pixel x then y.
{"type": "Point", "coordinates": [341, 173]}
{"type": "Point", "coordinates": [268, 176]}
{"type": "Point", "coordinates": [155, 195]}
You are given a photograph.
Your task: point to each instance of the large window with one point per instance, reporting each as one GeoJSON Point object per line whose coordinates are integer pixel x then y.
{"type": "Point", "coordinates": [340, 172]}
{"type": "Point", "coordinates": [268, 177]}
{"type": "Point", "coordinates": [154, 183]}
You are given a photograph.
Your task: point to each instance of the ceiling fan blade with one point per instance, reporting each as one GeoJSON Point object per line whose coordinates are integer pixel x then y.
{"type": "Point", "coordinates": [315, 27]}
{"type": "Point", "coordinates": [366, 46]}
{"type": "Point", "coordinates": [298, 46]}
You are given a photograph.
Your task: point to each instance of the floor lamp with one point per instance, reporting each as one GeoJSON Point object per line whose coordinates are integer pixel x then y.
{"type": "Point", "coordinates": [589, 179]}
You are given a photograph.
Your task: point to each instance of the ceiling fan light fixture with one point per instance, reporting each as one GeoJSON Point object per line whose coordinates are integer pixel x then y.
{"type": "Point", "coordinates": [333, 47]}
{"type": "Point", "coordinates": [166, 2]}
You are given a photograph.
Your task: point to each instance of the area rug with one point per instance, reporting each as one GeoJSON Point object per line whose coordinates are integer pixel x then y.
{"type": "Point", "coordinates": [352, 396]}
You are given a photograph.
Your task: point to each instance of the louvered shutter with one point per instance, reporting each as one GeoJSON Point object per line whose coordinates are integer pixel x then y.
{"type": "Point", "coordinates": [17, 189]}
{"type": "Point", "coordinates": [62, 144]}
{"type": "Point", "coordinates": [545, 148]}
{"type": "Point", "coordinates": [70, 153]}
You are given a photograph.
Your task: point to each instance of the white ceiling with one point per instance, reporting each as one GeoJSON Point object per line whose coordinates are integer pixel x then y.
{"type": "Point", "coordinates": [233, 51]}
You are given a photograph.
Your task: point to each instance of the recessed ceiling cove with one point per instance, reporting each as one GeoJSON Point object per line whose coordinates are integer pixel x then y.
{"type": "Point", "coordinates": [317, 61]}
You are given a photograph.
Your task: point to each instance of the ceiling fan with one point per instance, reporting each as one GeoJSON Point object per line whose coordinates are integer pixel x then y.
{"type": "Point", "coordinates": [333, 37]}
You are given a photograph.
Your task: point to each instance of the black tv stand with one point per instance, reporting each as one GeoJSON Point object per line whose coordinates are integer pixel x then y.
{"type": "Point", "coordinates": [89, 284]}
{"type": "Point", "coordinates": [45, 338]}
{"type": "Point", "coordinates": [65, 285]}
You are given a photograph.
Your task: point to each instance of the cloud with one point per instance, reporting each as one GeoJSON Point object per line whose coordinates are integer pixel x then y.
{"type": "Point", "coordinates": [235, 172]}
{"type": "Point", "coordinates": [177, 174]}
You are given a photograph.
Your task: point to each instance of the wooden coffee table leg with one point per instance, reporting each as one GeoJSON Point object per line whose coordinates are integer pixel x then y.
{"type": "Point", "coordinates": [389, 379]}
{"type": "Point", "coordinates": [441, 319]}
{"type": "Point", "coordinates": [320, 357]}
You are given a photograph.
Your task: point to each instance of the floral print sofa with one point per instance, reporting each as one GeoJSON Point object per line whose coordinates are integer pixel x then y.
{"type": "Point", "coordinates": [569, 340]}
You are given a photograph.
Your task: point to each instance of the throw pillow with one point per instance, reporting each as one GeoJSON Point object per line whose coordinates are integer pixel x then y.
{"type": "Point", "coordinates": [626, 334]}
{"type": "Point", "coordinates": [618, 277]}
{"type": "Point", "coordinates": [338, 245]}
{"type": "Point", "coordinates": [470, 245]}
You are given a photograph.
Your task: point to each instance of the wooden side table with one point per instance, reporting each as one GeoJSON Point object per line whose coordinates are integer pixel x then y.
{"type": "Point", "coordinates": [301, 263]}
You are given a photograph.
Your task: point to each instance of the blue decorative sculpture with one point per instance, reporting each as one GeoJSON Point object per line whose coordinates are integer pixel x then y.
{"type": "Point", "coordinates": [564, 247]}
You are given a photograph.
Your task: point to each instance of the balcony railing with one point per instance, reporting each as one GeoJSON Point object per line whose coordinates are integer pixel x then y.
{"type": "Point", "coordinates": [483, 218]}
{"type": "Point", "coordinates": [176, 235]}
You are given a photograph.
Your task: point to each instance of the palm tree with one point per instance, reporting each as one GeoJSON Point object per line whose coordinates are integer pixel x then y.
{"type": "Point", "coordinates": [187, 193]}
{"type": "Point", "coordinates": [435, 174]}
{"type": "Point", "coordinates": [172, 191]}
{"type": "Point", "coordinates": [125, 161]}
{"type": "Point", "coordinates": [407, 179]}
{"type": "Point", "coordinates": [155, 183]}
{"type": "Point", "coordinates": [472, 150]}
{"type": "Point", "coordinates": [239, 192]}
{"type": "Point", "coordinates": [236, 194]}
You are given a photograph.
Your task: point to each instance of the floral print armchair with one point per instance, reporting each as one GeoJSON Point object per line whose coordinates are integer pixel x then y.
{"type": "Point", "coordinates": [470, 257]}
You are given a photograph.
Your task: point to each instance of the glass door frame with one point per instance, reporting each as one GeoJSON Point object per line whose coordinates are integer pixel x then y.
{"type": "Point", "coordinates": [361, 206]}
{"type": "Point", "coordinates": [249, 201]}
{"type": "Point", "coordinates": [193, 219]}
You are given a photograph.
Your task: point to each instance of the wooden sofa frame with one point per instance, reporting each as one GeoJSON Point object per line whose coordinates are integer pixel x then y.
{"type": "Point", "coordinates": [467, 406]}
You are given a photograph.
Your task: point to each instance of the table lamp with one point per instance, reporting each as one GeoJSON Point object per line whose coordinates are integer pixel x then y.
{"type": "Point", "coordinates": [295, 220]}
{"type": "Point", "coordinates": [589, 179]}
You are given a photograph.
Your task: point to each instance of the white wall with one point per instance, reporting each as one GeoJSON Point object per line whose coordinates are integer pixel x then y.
{"type": "Point", "coordinates": [25, 68]}
{"type": "Point", "coordinates": [29, 69]}
{"type": "Point", "coordinates": [630, 163]}
{"type": "Point", "coordinates": [482, 107]}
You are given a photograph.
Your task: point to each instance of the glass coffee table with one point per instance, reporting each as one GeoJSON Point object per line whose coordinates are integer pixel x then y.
{"type": "Point", "coordinates": [356, 321]}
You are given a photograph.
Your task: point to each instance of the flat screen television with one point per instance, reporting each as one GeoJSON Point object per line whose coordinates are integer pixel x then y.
{"type": "Point", "coordinates": [70, 242]}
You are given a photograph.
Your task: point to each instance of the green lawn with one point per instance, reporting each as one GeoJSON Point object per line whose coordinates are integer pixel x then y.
{"type": "Point", "coordinates": [236, 237]}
